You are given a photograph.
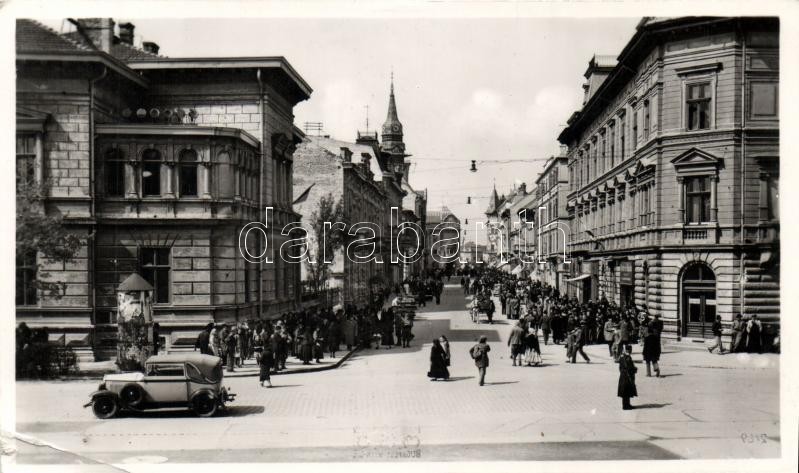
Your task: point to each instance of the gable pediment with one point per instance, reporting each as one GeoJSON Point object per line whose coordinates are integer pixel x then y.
{"type": "Point", "coordinates": [696, 161]}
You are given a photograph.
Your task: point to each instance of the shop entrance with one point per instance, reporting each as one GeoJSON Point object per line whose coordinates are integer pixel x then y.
{"type": "Point", "coordinates": [698, 296]}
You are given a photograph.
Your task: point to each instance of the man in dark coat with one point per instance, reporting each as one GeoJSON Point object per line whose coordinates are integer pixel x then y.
{"type": "Point", "coordinates": [479, 354]}
{"type": "Point", "coordinates": [204, 340]}
{"type": "Point", "coordinates": [580, 338]}
{"type": "Point", "coordinates": [516, 343]}
{"type": "Point", "coordinates": [627, 371]}
{"type": "Point", "coordinates": [652, 352]}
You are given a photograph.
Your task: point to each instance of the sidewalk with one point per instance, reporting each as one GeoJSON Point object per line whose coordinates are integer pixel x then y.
{"type": "Point", "coordinates": [672, 355]}
{"type": "Point", "coordinates": [96, 370]}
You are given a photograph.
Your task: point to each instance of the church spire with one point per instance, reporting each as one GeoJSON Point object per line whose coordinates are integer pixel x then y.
{"type": "Point", "coordinates": [392, 128]}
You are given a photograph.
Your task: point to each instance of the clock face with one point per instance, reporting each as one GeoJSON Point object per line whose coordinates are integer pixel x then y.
{"type": "Point", "coordinates": [395, 127]}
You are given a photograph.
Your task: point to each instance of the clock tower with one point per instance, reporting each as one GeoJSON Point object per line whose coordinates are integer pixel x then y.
{"type": "Point", "coordinates": [392, 144]}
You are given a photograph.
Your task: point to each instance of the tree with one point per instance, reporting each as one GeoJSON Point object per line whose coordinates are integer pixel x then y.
{"type": "Point", "coordinates": [325, 242]}
{"type": "Point", "coordinates": [42, 234]}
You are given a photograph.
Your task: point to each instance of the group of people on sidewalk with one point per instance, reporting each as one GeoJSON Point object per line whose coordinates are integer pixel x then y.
{"type": "Point", "coordinates": [745, 336]}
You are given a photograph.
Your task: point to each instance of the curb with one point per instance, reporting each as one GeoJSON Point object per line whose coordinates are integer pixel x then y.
{"type": "Point", "coordinates": [311, 369]}
{"type": "Point", "coordinates": [98, 375]}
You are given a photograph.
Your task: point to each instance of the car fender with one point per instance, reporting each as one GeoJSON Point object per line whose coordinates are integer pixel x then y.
{"type": "Point", "coordinates": [103, 392]}
{"type": "Point", "coordinates": [196, 393]}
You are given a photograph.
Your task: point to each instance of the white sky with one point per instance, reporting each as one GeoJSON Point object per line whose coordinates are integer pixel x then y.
{"type": "Point", "coordinates": [483, 89]}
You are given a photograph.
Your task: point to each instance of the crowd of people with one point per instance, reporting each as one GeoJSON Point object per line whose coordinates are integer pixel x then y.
{"type": "Point", "coordinates": [536, 306]}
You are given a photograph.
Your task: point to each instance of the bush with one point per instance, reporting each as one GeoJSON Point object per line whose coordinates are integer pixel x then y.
{"type": "Point", "coordinates": [44, 360]}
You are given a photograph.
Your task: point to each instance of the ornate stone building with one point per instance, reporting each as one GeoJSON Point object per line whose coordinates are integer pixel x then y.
{"type": "Point", "coordinates": [158, 163]}
{"type": "Point", "coordinates": [674, 171]}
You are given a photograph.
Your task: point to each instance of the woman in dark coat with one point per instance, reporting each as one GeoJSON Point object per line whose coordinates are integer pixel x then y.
{"type": "Point", "coordinates": [445, 345]}
{"type": "Point", "coordinates": [438, 362]}
{"type": "Point", "coordinates": [266, 359]}
{"type": "Point", "coordinates": [627, 371]}
{"type": "Point", "coordinates": [652, 352]}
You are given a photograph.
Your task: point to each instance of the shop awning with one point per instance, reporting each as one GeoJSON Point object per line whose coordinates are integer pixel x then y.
{"type": "Point", "coordinates": [578, 278]}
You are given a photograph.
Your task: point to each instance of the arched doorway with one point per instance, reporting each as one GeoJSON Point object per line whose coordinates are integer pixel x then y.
{"type": "Point", "coordinates": [698, 300]}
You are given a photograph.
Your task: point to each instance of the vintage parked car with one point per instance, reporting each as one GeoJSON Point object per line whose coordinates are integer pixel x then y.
{"type": "Point", "coordinates": [190, 380]}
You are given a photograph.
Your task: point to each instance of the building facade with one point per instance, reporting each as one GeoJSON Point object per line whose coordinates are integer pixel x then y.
{"type": "Point", "coordinates": [674, 172]}
{"type": "Point", "coordinates": [552, 225]}
{"type": "Point", "coordinates": [157, 163]}
{"type": "Point", "coordinates": [351, 174]}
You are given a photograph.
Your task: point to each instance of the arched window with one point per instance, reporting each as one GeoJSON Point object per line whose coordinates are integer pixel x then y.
{"type": "Point", "coordinates": [151, 173]}
{"type": "Point", "coordinates": [114, 173]}
{"type": "Point", "coordinates": [225, 178]}
{"type": "Point", "coordinates": [188, 173]}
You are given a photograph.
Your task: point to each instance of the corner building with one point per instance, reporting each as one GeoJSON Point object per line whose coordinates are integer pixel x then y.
{"type": "Point", "coordinates": [157, 163]}
{"type": "Point", "coordinates": [674, 174]}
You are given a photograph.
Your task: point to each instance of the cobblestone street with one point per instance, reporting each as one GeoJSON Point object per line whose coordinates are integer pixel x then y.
{"type": "Point", "coordinates": [379, 405]}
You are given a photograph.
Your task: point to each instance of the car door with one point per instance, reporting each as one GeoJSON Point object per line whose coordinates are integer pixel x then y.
{"type": "Point", "coordinates": [166, 382]}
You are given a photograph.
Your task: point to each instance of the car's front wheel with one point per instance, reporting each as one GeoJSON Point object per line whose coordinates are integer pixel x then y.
{"type": "Point", "coordinates": [204, 404]}
{"type": "Point", "coordinates": [105, 407]}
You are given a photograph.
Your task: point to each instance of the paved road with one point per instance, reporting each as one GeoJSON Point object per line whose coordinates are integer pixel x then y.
{"type": "Point", "coordinates": [379, 406]}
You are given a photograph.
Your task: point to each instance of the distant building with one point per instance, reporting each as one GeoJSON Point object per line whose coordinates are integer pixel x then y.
{"type": "Point", "coordinates": [674, 174]}
{"type": "Point", "coordinates": [158, 163]}
{"type": "Point", "coordinates": [473, 253]}
{"type": "Point", "coordinates": [443, 225]}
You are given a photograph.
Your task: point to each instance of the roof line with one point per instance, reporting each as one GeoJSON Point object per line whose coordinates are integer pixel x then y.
{"type": "Point", "coordinates": [246, 61]}
{"type": "Point", "coordinates": [85, 56]}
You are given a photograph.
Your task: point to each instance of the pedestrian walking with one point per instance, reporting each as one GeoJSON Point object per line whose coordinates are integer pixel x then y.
{"type": "Point", "coordinates": [265, 358]}
{"type": "Point", "coordinates": [627, 370]}
{"type": "Point", "coordinates": [580, 337]}
{"type": "Point", "coordinates": [652, 352]}
{"type": "Point", "coordinates": [716, 329]}
{"type": "Point", "coordinates": [516, 343]}
{"type": "Point", "coordinates": [607, 332]}
{"type": "Point", "coordinates": [445, 344]}
{"type": "Point", "coordinates": [231, 344]}
{"type": "Point", "coordinates": [546, 327]}
{"type": "Point", "coordinates": [479, 354]}
{"type": "Point", "coordinates": [532, 355]}
{"type": "Point", "coordinates": [438, 362]}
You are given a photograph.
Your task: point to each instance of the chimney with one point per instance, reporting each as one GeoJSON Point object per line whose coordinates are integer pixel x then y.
{"type": "Point", "coordinates": [126, 33]}
{"type": "Point", "coordinates": [100, 31]}
{"type": "Point", "coordinates": [523, 188]}
{"type": "Point", "coordinates": [346, 154]}
{"type": "Point", "coordinates": [365, 160]}
{"type": "Point", "coordinates": [150, 47]}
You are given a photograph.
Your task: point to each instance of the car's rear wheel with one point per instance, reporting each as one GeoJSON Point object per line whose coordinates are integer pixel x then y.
{"type": "Point", "coordinates": [105, 407]}
{"type": "Point", "coordinates": [204, 405]}
{"type": "Point", "coordinates": [132, 395]}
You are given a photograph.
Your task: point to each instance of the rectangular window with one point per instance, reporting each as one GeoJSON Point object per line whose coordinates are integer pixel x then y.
{"type": "Point", "coordinates": [26, 279]}
{"type": "Point", "coordinates": [635, 130]}
{"type": "Point", "coordinates": [603, 165]}
{"type": "Point", "coordinates": [697, 196]}
{"type": "Point", "coordinates": [774, 198]}
{"type": "Point", "coordinates": [188, 180]}
{"type": "Point", "coordinates": [612, 132]}
{"type": "Point", "coordinates": [114, 178]}
{"type": "Point", "coordinates": [646, 119]}
{"type": "Point", "coordinates": [26, 158]}
{"type": "Point", "coordinates": [155, 268]}
{"type": "Point", "coordinates": [622, 131]}
{"type": "Point", "coordinates": [698, 106]}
